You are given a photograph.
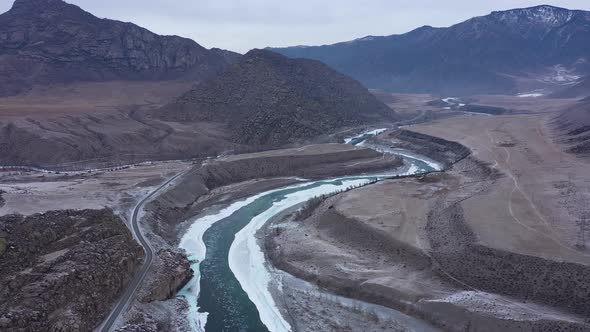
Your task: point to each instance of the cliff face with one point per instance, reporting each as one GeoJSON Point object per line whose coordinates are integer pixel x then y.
{"type": "Point", "coordinates": [173, 271]}
{"type": "Point", "coordinates": [51, 41]}
{"type": "Point", "coordinates": [63, 270]}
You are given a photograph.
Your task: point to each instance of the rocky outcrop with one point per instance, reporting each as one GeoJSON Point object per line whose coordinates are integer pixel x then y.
{"type": "Point", "coordinates": [63, 270]}
{"type": "Point", "coordinates": [173, 271]}
{"type": "Point", "coordinates": [269, 99]}
{"type": "Point", "coordinates": [51, 41]}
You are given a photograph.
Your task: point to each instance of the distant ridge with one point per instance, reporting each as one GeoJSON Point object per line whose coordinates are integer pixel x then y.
{"type": "Point", "coordinates": [503, 52]}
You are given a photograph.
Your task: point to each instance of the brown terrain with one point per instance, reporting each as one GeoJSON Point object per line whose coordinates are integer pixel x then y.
{"type": "Point", "coordinates": [215, 182]}
{"type": "Point", "coordinates": [103, 124]}
{"type": "Point", "coordinates": [32, 192]}
{"type": "Point", "coordinates": [484, 244]}
{"type": "Point", "coordinates": [100, 93]}
{"type": "Point", "coordinates": [62, 270]}
{"type": "Point", "coordinates": [496, 242]}
{"type": "Point", "coordinates": [95, 103]}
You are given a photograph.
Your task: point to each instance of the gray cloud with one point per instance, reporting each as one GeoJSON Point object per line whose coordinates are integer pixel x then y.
{"type": "Point", "coordinates": [240, 25]}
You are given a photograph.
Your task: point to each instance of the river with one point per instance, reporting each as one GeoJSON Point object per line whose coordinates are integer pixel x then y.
{"type": "Point", "coordinates": [230, 289]}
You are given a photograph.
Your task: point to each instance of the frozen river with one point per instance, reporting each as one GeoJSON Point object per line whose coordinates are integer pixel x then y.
{"type": "Point", "coordinates": [230, 289]}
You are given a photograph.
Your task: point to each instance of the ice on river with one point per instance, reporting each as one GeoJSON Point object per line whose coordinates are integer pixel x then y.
{"type": "Point", "coordinates": [193, 243]}
{"type": "Point", "coordinates": [247, 260]}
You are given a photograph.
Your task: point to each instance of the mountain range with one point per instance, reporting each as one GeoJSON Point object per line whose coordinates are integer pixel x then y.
{"type": "Point", "coordinates": [88, 91]}
{"type": "Point", "coordinates": [503, 52]}
{"type": "Point", "coordinates": [51, 41]}
{"type": "Point", "coordinates": [246, 102]}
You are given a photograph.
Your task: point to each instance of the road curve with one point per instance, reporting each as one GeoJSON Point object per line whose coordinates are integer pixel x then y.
{"type": "Point", "coordinates": [149, 253]}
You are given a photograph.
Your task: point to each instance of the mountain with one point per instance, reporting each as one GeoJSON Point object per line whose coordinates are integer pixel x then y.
{"type": "Point", "coordinates": [503, 52]}
{"type": "Point", "coordinates": [51, 41]}
{"type": "Point", "coordinates": [580, 89]}
{"type": "Point", "coordinates": [269, 99]}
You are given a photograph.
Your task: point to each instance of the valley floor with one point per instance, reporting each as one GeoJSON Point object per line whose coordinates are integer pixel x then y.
{"type": "Point", "coordinates": [535, 207]}
{"type": "Point", "coordinates": [29, 192]}
{"type": "Point", "coordinates": [493, 243]}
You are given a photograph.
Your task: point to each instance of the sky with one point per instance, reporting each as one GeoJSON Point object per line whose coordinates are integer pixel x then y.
{"type": "Point", "coordinates": [241, 25]}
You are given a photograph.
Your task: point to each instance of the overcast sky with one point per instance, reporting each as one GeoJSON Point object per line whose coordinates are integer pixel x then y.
{"type": "Point", "coordinates": [240, 25]}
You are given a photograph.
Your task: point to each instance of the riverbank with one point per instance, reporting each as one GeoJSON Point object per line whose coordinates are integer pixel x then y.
{"type": "Point", "coordinates": [230, 178]}
{"type": "Point", "coordinates": [207, 189]}
{"type": "Point", "coordinates": [246, 256]}
{"type": "Point", "coordinates": [424, 246]}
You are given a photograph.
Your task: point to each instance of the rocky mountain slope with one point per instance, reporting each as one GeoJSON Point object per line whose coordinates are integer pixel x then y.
{"type": "Point", "coordinates": [82, 86]}
{"type": "Point", "coordinates": [269, 99]}
{"type": "Point", "coordinates": [63, 270]}
{"type": "Point", "coordinates": [51, 41]}
{"type": "Point", "coordinates": [266, 100]}
{"type": "Point", "coordinates": [572, 128]}
{"type": "Point", "coordinates": [504, 52]}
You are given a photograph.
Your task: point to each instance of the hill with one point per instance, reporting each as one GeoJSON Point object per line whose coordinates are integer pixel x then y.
{"type": "Point", "coordinates": [269, 99]}
{"type": "Point", "coordinates": [572, 128]}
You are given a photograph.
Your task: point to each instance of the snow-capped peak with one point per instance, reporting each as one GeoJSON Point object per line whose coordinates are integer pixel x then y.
{"type": "Point", "coordinates": [544, 14]}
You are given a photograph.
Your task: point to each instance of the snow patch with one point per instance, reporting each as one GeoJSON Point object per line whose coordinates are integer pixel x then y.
{"type": "Point", "coordinates": [530, 95]}
{"type": "Point", "coordinates": [373, 132]}
{"type": "Point", "coordinates": [451, 100]}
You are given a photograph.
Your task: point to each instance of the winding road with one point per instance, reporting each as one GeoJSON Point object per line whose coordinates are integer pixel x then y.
{"type": "Point", "coordinates": [107, 325]}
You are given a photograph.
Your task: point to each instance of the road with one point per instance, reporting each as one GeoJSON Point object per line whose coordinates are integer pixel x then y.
{"type": "Point", "coordinates": [149, 254]}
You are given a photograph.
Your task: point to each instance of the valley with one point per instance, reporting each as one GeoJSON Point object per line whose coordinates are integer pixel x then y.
{"type": "Point", "coordinates": [435, 180]}
{"type": "Point", "coordinates": [490, 168]}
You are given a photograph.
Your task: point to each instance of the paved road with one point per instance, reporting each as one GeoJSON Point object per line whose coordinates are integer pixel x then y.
{"type": "Point", "coordinates": [149, 253]}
